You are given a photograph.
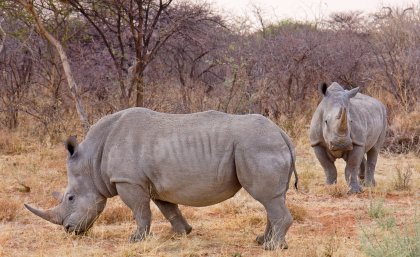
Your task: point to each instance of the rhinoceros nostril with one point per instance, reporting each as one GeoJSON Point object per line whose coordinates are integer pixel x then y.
{"type": "Point", "coordinates": [67, 227]}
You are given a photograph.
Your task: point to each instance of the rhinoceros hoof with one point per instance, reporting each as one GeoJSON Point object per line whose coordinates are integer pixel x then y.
{"type": "Point", "coordinates": [369, 183]}
{"type": "Point", "coordinates": [355, 190]}
{"type": "Point", "coordinates": [183, 231]}
{"type": "Point", "coordinates": [271, 245]}
{"type": "Point", "coordinates": [137, 237]}
{"type": "Point", "coordinates": [260, 239]}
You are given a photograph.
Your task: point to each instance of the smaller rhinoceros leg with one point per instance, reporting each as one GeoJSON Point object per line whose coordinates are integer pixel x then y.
{"type": "Point", "coordinates": [362, 171]}
{"type": "Point", "coordinates": [280, 221]}
{"type": "Point", "coordinates": [354, 160]}
{"type": "Point", "coordinates": [327, 164]}
{"type": "Point", "coordinates": [372, 157]}
{"type": "Point", "coordinates": [174, 216]}
{"type": "Point", "coordinates": [138, 201]}
{"type": "Point", "coordinates": [261, 239]}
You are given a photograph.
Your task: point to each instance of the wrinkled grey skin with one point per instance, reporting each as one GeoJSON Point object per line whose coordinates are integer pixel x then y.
{"type": "Point", "coordinates": [195, 159]}
{"type": "Point", "coordinates": [348, 124]}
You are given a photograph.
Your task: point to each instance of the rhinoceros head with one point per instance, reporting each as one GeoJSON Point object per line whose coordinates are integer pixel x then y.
{"type": "Point", "coordinates": [81, 204]}
{"type": "Point", "coordinates": [335, 118]}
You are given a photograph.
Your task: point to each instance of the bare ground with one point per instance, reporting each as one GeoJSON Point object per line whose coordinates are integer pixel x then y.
{"type": "Point", "coordinates": [328, 221]}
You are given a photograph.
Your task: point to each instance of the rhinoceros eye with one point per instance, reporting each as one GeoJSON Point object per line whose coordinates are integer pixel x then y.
{"type": "Point", "coordinates": [326, 122]}
{"type": "Point", "coordinates": [71, 198]}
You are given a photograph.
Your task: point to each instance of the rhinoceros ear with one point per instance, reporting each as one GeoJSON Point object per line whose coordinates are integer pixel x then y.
{"type": "Point", "coordinates": [57, 195]}
{"type": "Point", "coordinates": [323, 88]}
{"type": "Point", "coordinates": [353, 92]}
{"type": "Point", "coordinates": [71, 145]}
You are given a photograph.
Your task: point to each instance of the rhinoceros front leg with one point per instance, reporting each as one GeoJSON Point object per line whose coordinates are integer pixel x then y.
{"type": "Point", "coordinates": [174, 216]}
{"type": "Point", "coordinates": [138, 201]}
{"type": "Point", "coordinates": [362, 171]}
{"type": "Point", "coordinates": [327, 164]}
{"type": "Point", "coordinates": [354, 160]}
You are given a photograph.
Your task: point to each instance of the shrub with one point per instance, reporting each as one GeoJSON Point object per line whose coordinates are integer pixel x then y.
{"type": "Point", "coordinates": [402, 180]}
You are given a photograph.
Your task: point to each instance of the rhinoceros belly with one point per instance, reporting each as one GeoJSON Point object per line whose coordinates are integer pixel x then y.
{"type": "Point", "coordinates": [195, 169]}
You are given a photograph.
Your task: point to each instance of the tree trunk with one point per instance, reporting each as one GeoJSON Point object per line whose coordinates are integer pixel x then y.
{"type": "Point", "coordinates": [2, 37]}
{"type": "Point", "coordinates": [64, 61]}
{"type": "Point", "coordinates": [139, 90]}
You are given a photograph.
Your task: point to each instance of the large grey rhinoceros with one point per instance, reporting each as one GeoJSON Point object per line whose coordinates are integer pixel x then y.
{"type": "Point", "coordinates": [348, 124]}
{"type": "Point", "coordinates": [195, 159]}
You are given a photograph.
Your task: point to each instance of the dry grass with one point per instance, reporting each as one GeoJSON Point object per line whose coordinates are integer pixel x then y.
{"type": "Point", "coordinates": [8, 210]}
{"type": "Point", "coordinates": [299, 213]}
{"type": "Point", "coordinates": [327, 220]}
{"type": "Point", "coordinates": [10, 143]}
{"type": "Point", "coordinates": [115, 215]}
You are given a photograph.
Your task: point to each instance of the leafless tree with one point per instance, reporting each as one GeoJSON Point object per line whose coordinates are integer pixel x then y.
{"type": "Point", "coordinates": [29, 7]}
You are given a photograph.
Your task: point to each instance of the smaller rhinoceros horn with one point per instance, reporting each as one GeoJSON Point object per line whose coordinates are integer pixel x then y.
{"type": "Point", "coordinates": [343, 121]}
{"type": "Point", "coordinates": [51, 215]}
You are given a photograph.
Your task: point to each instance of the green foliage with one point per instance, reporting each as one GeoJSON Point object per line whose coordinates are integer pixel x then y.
{"type": "Point", "coordinates": [390, 240]}
{"type": "Point", "coordinates": [385, 238]}
{"type": "Point", "coordinates": [377, 209]}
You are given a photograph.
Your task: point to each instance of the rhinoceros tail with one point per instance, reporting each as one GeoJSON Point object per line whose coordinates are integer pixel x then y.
{"type": "Point", "coordinates": [293, 156]}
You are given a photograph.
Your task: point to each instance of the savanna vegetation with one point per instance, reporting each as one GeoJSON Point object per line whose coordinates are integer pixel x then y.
{"type": "Point", "coordinates": [65, 64]}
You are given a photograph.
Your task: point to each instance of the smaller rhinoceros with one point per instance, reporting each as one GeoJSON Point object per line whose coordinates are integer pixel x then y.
{"type": "Point", "coordinates": [348, 124]}
{"type": "Point", "coordinates": [196, 159]}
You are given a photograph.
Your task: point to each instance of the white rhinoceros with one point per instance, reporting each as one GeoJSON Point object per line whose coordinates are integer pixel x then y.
{"type": "Point", "coordinates": [348, 124]}
{"type": "Point", "coordinates": [195, 159]}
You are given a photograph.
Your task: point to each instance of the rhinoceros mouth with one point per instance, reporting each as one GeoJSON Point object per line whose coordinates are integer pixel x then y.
{"type": "Point", "coordinates": [341, 146]}
{"type": "Point", "coordinates": [73, 230]}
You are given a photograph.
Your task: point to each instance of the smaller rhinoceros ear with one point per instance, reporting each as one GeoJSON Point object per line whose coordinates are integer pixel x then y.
{"type": "Point", "coordinates": [57, 195]}
{"type": "Point", "coordinates": [353, 92]}
{"type": "Point", "coordinates": [71, 145]}
{"type": "Point", "coordinates": [323, 88]}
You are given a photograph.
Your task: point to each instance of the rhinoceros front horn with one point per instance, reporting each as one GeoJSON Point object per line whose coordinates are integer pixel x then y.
{"type": "Point", "coordinates": [51, 215]}
{"type": "Point", "coordinates": [343, 121]}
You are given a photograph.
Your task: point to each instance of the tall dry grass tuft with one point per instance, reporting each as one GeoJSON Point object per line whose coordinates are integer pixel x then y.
{"type": "Point", "coordinates": [338, 190]}
{"type": "Point", "coordinates": [306, 179]}
{"type": "Point", "coordinates": [299, 213]}
{"type": "Point", "coordinates": [330, 247]}
{"type": "Point", "coordinates": [8, 210]}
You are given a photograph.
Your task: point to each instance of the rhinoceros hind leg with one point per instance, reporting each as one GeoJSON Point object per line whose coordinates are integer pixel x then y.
{"type": "Point", "coordinates": [139, 202]}
{"type": "Point", "coordinates": [280, 221]}
{"type": "Point", "coordinates": [174, 216]}
{"type": "Point", "coordinates": [261, 239]}
{"type": "Point", "coordinates": [372, 157]}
